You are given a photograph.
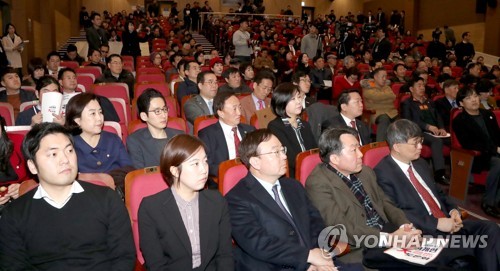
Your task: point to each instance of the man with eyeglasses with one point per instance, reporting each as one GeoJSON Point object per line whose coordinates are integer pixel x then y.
{"type": "Point", "coordinates": [477, 129]}
{"type": "Point", "coordinates": [346, 192]}
{"type": "Point", "coordinates": [145, 145]}
{"type": "Point", "coordinates": [407, 180]}
{"type": "Point", "coordinates": [223, 137]}
{"type": "Point", "coordinates": [274, 224]}
{"type": "Point", "coordinates": [115, 73]}
{"type": "Point", "coordinates": [259, 100]}
{"type": "Point", "coordinates": [202, 104]}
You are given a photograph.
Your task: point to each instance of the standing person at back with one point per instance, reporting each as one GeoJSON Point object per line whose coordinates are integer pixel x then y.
{"type": "Point", "coordinates": [242, 43]}
{"type": "Point", "coordinates": [464, 50]}
{"type": "Point", "coordinates": [310, 42]}
{"type": "Point", "coordinates": [96, 36]}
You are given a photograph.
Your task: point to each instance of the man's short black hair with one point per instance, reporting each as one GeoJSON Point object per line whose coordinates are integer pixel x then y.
{"type": "Point", "coordinates": [229, 71]}
{"type": "Point", "coordinates": [264, 74]}
{"type": "Point", "coordinates": [200, 79]}
{"type": "Point", "coordinates": [345, 97]}
{"type": "Point", "coordinates": [61, 72]}
{"type": "Point", "coordinates": [51, 54]}
{"type": "Point", "coordinates": [220, 100]}
{"type": "Point", "coordinates": [465, 92]}
{"type": "Point", "coordinates": [144, 100]}
{"type": "Point", "coordinates": [329, 142]}
{"type": "Point", "coordinates": [31, 142]}
{"type": "Point", "coordinates": [72, 48]}
{"type": "Point", "coordinates": [401, 131]}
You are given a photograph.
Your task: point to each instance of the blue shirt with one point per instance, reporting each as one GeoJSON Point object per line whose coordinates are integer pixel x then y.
{"type": "Point", "coordinates": [109, 154]}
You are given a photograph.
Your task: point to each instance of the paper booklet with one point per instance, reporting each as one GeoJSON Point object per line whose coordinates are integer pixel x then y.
{"type": "Point", "coordinates": [430, 249]}
{"type": "Point", "coordinates": [438, 136]}
{"type": "Point", "coordinates": [54, 103]}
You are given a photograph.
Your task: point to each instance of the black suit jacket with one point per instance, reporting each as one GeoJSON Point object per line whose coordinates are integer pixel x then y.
{"type": "Point", "coordinates": [216, 144]}
{"type": "Point", "coordinates": [443, 108]}
{"type": "Point", "coordinates": [398, 187]}
{"type": "Point", "coordinates": [381, 49]}
{"type": "Point", "coordinates": [287, 137]}
{"type": "Point", "coordinates": [410, 109]}
{"type": "Point", "coordinates": [266, 240]}
{"type": "Point", "coordinates": [165, 242]}
{"type": "Point", "coordinates": [471, 137]}
{"type": "Point", "coordinates": [363, 130]}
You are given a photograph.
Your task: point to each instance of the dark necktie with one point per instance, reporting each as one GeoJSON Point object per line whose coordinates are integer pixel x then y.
{"type": "Point", "coordinates": [353, 125]}
{"type": "Point", "coordinates": [236, 140]}
{"type": "Point", "coordinates": [287, 214]}
{"type": "Point", "coordinates": [453, 104]}
{"type": "Point", "coordinates": [436, 212]}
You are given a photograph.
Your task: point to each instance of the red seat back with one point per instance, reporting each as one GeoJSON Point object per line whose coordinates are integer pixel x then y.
{"type": "Point", "coordinates": [139, 184]}
{"type": "Point", "coordinates": [230, 173]}
{"type": "Point", "coordinates": [305, 163]}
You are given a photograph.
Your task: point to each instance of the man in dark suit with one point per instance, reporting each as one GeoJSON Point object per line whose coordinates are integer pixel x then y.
{"type": "Point", "coordinates": [446, 103]}
{"type": "Point", "coordinates": [407, 180]}
{"type": "Point", "coordinates": [201, 105]}
{"type": "Point", "coordinates": [422, 111]}
{"type": "Point", "coordinates": [318, 76]}
{"type": "Point", "coordinates": [274, 224]}
{"type": "Point", "coordinates": [350, 106]}
{"type": "Point", "coordinates": [188, 86]}
{"type": "Point", "coordinates": [381, 47]}
{"type": "Point", "coordinates": [477, 129]}
{"type": "Point", "coordinates": [222, 138]}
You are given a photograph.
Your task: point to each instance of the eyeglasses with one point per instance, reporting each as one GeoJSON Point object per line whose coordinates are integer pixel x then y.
{"type": "Point", "coordinates": [277, 153]}
{"type": "Point", "coordinates": [418, 141]}
{"type": "Point", "coordinates": [158, 111]}
{"type": "Point", "coordinates": [211, 82]}
{"type": "Point", "coordinates": [305, 80]}
{"type": "Point", "coordinates": [116, 63]}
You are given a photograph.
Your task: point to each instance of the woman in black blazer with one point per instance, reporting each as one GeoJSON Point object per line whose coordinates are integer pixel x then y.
{"type": "Point", "coordinates": [295, 134]}
{"type": "Point", "coordinates": [185, 227]}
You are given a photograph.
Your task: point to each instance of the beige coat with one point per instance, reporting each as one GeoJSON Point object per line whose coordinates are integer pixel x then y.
{"type": "Point", "coordinates": [381, 101]}
{"type": "Point", "coordinates": [13, 56]}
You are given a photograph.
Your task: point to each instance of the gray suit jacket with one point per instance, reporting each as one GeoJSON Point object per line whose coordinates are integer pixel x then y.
{"type": "Point", "coordinates": [195, 107]}
{"type": "Point", "coordinates": [144, 150]}
{"type": "Point", "coordinates": [338, 205]}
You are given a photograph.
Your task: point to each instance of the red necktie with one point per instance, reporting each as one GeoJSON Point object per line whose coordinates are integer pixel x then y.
{"type": "Point", "coordinates": [236, 140]}
{"type": "Point", "coordinates": [436, 212]}
{"type": "Point", "coordinates": [353, 125]}
{"type": "Point", "coordinates": [261, 104]}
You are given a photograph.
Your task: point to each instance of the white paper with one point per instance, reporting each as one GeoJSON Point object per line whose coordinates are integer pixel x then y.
{"type": "Point", "coordinates": [327, 83]}
{"type": "Point", "coordinates": [65, 100]}
{"type": "Point", "coordinates": [51, 103]}
{"type": "Point", "coordinates": [438, 136]}
{"type": "Point", "coordinates": [430, 249]}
